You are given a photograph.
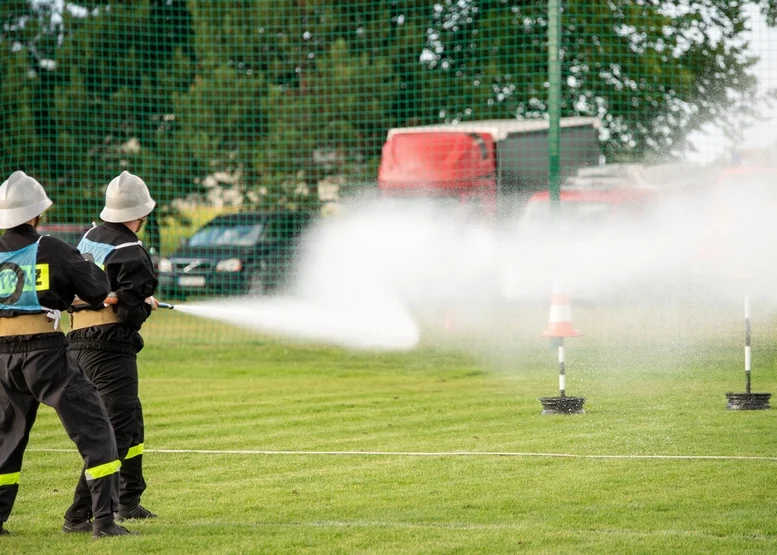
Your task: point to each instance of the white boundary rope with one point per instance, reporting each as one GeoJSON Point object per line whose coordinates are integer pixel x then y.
{"type": "Point", "coordinates": [434, 454]}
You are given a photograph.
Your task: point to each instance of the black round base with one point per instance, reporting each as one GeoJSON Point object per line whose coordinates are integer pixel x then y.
{"type": "Point", "coordinates": [562, 405]}
{"type": "Point", "coordinates": [748, 401]}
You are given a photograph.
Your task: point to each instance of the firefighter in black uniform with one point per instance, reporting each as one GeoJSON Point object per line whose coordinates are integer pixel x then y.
{"type": "Point", "coordinates": [106, 342]}
{"type": "Point", "coordinates": [39, 277]}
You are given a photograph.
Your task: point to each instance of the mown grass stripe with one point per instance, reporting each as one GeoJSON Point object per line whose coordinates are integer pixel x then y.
{"type": "Point", "coordinates": [435, 454]}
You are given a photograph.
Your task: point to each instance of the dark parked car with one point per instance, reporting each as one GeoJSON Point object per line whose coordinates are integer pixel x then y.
{"type": "Point", "coordinates": [244, 253]}
{"type": "Point", "coordinates": [69, 233]}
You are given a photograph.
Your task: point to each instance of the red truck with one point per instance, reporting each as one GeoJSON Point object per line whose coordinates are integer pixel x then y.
{"type": "Point", "coordinates": [492, 165]}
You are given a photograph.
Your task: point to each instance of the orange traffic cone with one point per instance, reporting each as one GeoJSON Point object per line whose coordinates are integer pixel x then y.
{"type": "Point", "coordinates": [560, 324]}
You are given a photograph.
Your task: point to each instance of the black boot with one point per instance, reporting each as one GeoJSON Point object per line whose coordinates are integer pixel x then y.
{"type": "Point", "coordinates": [72, 527]}
{"type": "Point", "coordinates": [138, 511]}
{"type": "Point", "coordinates": [105, 527]}
{"type": "Point", "coordinates": [3, 531]}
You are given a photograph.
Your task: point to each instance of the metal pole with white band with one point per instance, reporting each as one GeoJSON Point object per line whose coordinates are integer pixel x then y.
{"type": "Point", "coordinates": [562, 379]}
{"type": "Point", "coordinates": [747, 343]}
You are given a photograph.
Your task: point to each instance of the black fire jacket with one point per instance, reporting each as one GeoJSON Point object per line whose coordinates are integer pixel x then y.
{"type": "Point", "coordinates": [132, 277]}
{"type": "Point", "coordinates": [62, 273]}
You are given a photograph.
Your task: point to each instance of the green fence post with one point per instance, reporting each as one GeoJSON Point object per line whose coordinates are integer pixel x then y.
{"type": "Point", "coordinates": [554, 104]}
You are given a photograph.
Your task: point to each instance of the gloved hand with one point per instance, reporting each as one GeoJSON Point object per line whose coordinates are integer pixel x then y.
{"type": "Point", "coordinates": [153, 302]}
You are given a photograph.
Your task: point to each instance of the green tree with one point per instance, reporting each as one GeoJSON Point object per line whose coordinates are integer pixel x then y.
{"type": "Point", "coordinates": [180, 91]}
{"type": "Point", "coordinates": [18, 32]}
{"type": "Point", "coordinates": [119, 67]}
{"type": "Point", "coordinates": [292, 80]}
{"type": "Point", "coordinates": [652, 71]}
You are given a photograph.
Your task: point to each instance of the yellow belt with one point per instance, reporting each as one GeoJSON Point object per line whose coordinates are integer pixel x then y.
{"type": "Point", "coordinates": [88, 318]}
{"type": "Point", "coordinates": [27, 324]}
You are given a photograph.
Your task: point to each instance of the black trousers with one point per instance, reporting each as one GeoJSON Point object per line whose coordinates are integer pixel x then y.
{"type": "Point", "coordinates": [116, 377]}
{"type": "Point", "coordinates": [35, 371]}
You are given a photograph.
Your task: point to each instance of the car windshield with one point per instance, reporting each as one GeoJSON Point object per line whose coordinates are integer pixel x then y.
{"type": "Point", "coordinates": [220, 235]}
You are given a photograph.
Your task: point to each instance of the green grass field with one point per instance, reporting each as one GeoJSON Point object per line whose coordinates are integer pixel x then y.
{"type": "Point", "coordinates": [655, 384]}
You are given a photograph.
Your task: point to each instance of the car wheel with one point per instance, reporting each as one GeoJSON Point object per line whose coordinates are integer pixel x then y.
{"type": "Point", "coordinates": [257, 285]}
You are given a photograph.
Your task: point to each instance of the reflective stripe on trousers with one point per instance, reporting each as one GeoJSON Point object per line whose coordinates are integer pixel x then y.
{"type": "Point", "coordinates": [134, 451]}
{"type": "Point", "coordinates": [9, 479]}
{"type": "Point", "coordinates": [103, 470]}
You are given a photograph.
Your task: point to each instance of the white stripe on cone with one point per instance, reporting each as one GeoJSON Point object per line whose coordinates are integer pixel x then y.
{"type": "Point", "coordinates": [560, 313]}
{"type": "Point", "coordinates": [560, 321]}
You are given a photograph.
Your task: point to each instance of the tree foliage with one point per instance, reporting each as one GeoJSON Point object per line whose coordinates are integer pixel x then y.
{"type": "Point", "coordinates": [258, 92]}
{"type": "Point", "coordinates": [653, 71]}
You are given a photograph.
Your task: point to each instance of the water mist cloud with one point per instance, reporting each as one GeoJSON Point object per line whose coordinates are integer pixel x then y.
{"type": "Point", "coordinates": [370, 277]}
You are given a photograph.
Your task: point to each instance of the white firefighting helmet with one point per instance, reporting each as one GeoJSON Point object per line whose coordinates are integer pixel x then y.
{"type": "Point", "coordinates": [22, 198]}
{"type": "Point", "coordinates": [126, 199]}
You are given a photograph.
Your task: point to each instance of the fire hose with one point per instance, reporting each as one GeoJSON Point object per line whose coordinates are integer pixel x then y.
{"type": "Point", "coordinates": [112, 299]}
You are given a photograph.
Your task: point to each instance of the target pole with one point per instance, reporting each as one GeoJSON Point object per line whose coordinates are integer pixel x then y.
{"type": "Point", "coordinates": [747, 343]}
{"type": "Point", "coordinates": [562, 385]}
